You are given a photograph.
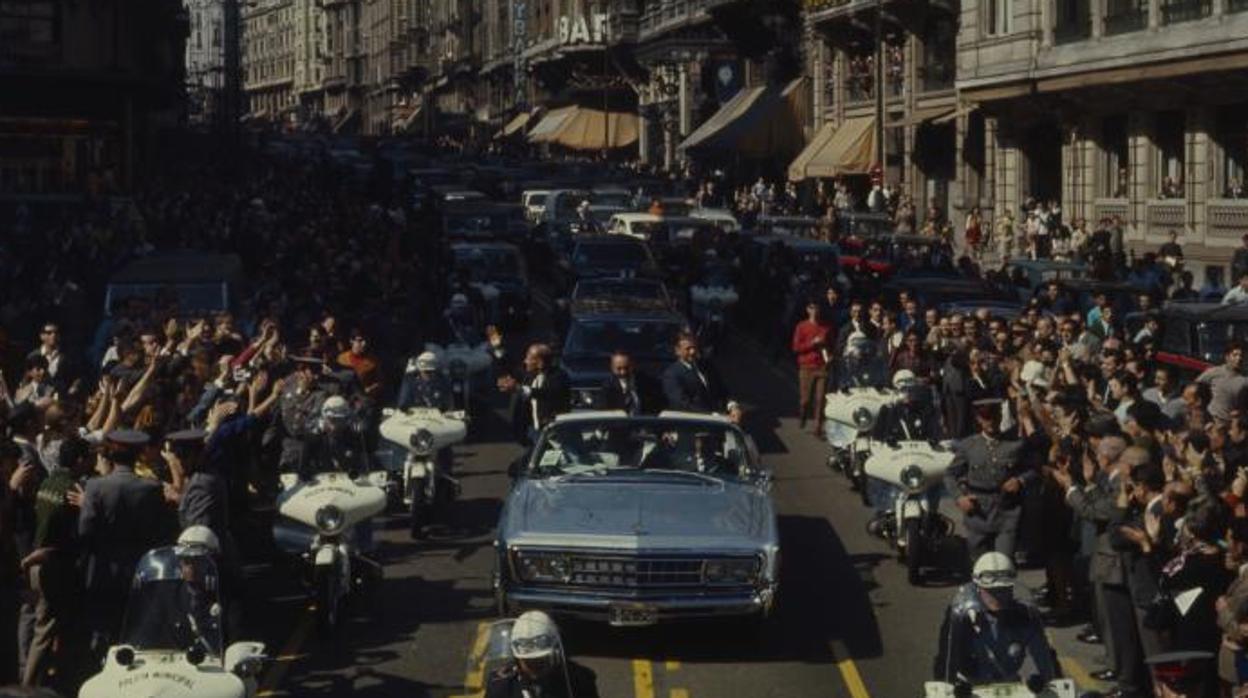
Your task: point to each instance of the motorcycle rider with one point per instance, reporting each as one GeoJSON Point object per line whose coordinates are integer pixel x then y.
{"type": "Point", "coordinates": [913, 418]}
{"type": "Point", "coordinates": [537, 669]}
{"type": "Point", "coordinates": [863, 368]}
{"type": "Point", "coordinates": [297, 411]}
{"type": "Point", "coordinates": [424, 385]}
{"type": "Point", "coordinates": [335, 443]}
{"type": "Point", "coordinates": [988, 635]}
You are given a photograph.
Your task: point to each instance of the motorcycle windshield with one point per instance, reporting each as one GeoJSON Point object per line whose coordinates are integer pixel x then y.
{"type": "Point", "coordinates": [173, 604]}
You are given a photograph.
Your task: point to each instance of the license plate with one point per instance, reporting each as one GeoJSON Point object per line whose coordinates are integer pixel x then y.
{"type": "Point", "coordinates": [631, 615]}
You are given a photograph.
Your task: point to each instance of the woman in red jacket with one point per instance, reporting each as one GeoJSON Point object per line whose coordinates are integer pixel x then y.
{"type": "Point", "coordinates": [812, 343]}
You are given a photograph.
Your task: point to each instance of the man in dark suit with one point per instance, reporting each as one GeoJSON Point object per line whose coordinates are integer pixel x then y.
{"type": "Point", "coordinates": [539, 396]}
{"type": "Point", "coordinates": [634, 393]}
{"type": "Point", "coordinates": [690, 385]}
{"type": "Point", "coordinates": [122, 517]}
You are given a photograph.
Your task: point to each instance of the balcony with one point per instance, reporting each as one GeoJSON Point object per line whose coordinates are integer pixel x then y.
{"type": "Point", "coordinates": [1163, 215]}
{"type": "Point", "coordinates": [1129, 20]}
{"type": "Point", "coordinates": [659, 18]}
{"type": "Point", "coordinates": [1175, 11]}
{"type": "Point", "coordinates": [1111, 208]}
{"type": "Point", "coordinates": [1227, 219]}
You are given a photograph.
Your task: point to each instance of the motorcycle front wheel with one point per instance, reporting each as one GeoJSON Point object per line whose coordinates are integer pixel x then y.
{"type": "Point", "coordinates": [912, 536]}
{"type": "Point", "coordinates": [327, 599]}
{"type": "Point", "coordinates": [417, 511]}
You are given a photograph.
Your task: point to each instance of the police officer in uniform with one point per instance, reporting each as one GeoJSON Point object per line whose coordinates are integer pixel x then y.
{"type": "Point", "coordinates": [336, 443]}
{"type": "Point", "coordinates": [537, 667]}
{"type": "Point", "coordinates": [986, 480]}
{"type": "Point", "coordinates": [988, 635]}
{"type": "Point", "coordinates": [913, 418]}
{"type": "Point", "coordinates": [424, 385]}
{"type": "Point", "coordinates": [297, 412]}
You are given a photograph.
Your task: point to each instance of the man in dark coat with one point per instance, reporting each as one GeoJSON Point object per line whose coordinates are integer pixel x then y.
{"type": "Point", "coordinates": [689, 385]}
{"type": "Point", "coordinates": [629, 390]}
{"type": "Point", "coordinates": [539, 396]}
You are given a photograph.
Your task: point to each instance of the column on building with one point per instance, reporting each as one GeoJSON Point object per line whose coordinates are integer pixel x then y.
{"type": "Point", "coordinates": [1139, 130]}
{"type": "Point", "coordinates": [1198, 177]}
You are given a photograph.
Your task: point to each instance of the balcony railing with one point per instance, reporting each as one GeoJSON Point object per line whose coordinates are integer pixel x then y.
{"type": "Point", "coordinates": [1111, 208]}
{"type": "Point", "coordinates": [1128, 21]}
{"type": "Point", "coordinates": [1176, 11]}
{"type": "Point", "coordinates": [1163, 215]}
{"type": "Point", "coordinates": [1072, 30]}
{"type": "Point", "coordinates": [1227, 218]}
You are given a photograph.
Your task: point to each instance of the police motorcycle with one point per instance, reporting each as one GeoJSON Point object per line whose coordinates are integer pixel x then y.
{"type": "Point", "coordinates": [851, 412]}
{"type": "Point", "coordinates": [420, 437]}
{"type": "Point", "coordinates": [1058, 688]}
{"type": "Point", "coordinates": [323, 516]}
{"type": "Point", "coordinates": [172, 642]}
{"type": "Point", "coordinates": [711, 298]}
{"type": "Point", "coordinates": [523, 656]}
{"type": "Point", "coordinates": [905, 471]}
{"type": "Point", "coordinates": [467, 353]}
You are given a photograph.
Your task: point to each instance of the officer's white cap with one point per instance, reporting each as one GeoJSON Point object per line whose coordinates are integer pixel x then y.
{"type": "Point", "coordinates": [904, 379]}
{"type": "Point", "coordinates": [994, 571]}
{"type": "Point", "coordinates": [201, 536]}
{"type": "Point", "coordinates": [335, 406]}
{"type": "Point", "coordinates": [427, 361]}
{"type": "Point", "coordinates": [533, 636]}
{"type": "Point", "coordinates": [459, 300]}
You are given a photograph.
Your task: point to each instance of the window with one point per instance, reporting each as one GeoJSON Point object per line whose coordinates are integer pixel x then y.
{"type": "Point", "coordinates": [1169, 132]}
{"type": "Point", "coordinates": [28, 27]}
{"type": "Point", "coordinates": [216, 33]}
{"type": "Point", "coordinates": [1231, 135]}
{"type": "Point", "coordinates": [999, 19]}
{"type": "Point", "coordinates": [1115, 174]}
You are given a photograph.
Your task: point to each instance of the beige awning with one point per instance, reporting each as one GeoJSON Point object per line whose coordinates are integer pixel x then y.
{"type": "Point", "coordinates": [732, 110]}
{"type": "Point", "coordinates": [590, 129]}
{"type": "Point", "coordinates": [934, 115]}
{"type": "Point", "coordinates": [404, 118]}
{"type": "Point", "coordinates": [953, 115]}
{"type": "Point", "coordinates": [550, 124]}
{"type": "Point", "coordinates": [797, 169]}
{"type": "Point", "coordinates": [849, 150]}
{"type": "Point", "coordinates": [516, 125]}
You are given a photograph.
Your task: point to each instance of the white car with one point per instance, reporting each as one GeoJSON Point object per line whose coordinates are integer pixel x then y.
{"type": "Point", "coordinates": [722, 218]}
{"type": "Point", "coordinates": [643, 226]}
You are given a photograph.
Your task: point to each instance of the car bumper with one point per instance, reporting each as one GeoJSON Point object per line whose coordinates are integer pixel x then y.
{"type": "Point", "coordinates": [667, 608]}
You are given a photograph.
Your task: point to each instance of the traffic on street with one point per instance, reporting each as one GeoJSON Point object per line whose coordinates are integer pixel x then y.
{"type": "Point", "coordinates": [315, 416]}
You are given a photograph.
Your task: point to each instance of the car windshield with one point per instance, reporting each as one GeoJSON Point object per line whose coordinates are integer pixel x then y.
{"type": "Point", "coordinates": [598, 447]}
{"type": "Point", "coordinates": [176, 613]}
{"type": "Point", "coordinates": [567, 203]}
{"type": "Point", "coordinates": [1214, 336]}
{"type": "Point", "coordinates": [614, 256]}
{"type": "Point", "coordinates": [613, 198]}
{"type": "Point", "coordinates": [617, 289]}
{"type": "Point", "coordinates": [467, 224]}
{"type": "Point", "coordinates": [485, 264]}
{"type": "Point", "coordinates": [643, 339]}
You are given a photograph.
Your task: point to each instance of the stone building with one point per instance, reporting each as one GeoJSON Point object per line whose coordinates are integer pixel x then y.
{"type": "Point", "coordinates": [86, 86]}
{"type": "Point", "coordinates": [311, 54]}
{"type": "Point", "coordinates": [343, 80]}
{"type": "Point", "coordinates": [205, 59]}
{"type": "Point", "coordinates": [917, 48]}
{"type": "Point", "coordinates": [268, 48]}
{"type": "Point", "coordinates": [1126, 108]}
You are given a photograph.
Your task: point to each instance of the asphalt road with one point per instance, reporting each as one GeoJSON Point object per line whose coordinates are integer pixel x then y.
{"type": "Point", "coordinates": [848, 622]}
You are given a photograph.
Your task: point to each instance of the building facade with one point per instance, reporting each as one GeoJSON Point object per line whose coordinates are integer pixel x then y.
{"type": "Point", "coordinates": [205, 59]}
{"type": "Point", "coordinates": [97, 81]}
{"type": "Point", "coordinates": [1131, 109]}
{"type": "Point", "coordinates": [268, 50]}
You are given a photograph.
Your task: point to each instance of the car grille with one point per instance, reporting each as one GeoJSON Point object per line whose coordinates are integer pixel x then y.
{"type": "Point", "coordinates": [636, 573]}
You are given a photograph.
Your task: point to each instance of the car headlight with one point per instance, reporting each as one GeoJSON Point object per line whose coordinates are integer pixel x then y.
{"type": "Point", "coordinates": [863, 418]}
{"type": "Point", "coordinates": [458, 368]}
{"type": "Point", "coordinates": [422, 442]}
{"type": "Point", "coordinates": [330, 520]}
{"type": "Point", "coordinates": [543, 567]}
{"type": "Point", "coordinates": [912, 477]}
{"type": "Point", "coordinates": [730, 571]}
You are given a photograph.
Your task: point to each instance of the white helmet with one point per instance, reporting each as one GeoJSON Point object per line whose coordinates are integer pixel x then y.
{"type": "Point", "coordinates": [858, 344]}
{"type": "Point", "coordinates": [904, 378]}
{"type": "Point", "coordinates": [427, 361]}
{"type": "Point", "coordinates": [200, 536]}
{"type": "Point", "coordinates": [459, 300]}
{"type": "Point", "coordinates": [335, 407]}
{"type": "Point", "coordinates": [534, 636]}
{"type": "Point", "coordinates": [994, 571]}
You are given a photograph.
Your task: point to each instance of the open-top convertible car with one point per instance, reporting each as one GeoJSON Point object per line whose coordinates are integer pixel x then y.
{"type": "Point", "coordinates": [637, 521]}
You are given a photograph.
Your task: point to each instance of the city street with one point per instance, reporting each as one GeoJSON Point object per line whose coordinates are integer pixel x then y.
{"type": "Point", "coordinates": [848, 622]}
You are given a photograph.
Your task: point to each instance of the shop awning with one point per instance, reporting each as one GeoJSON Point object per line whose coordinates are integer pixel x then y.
{"type": "Point", "coordinates": [849, 149]}
{"type": "Point", "coordinates": [404, 119]}
{"type": "Point", "coordinates": [516, 125]}
{"type": "Point", "coordinates": [550, 123]}
{"type": "Point", "coordinates": [932, 115]}
{"type": "Point", "coordinates": [590, 129]}
{"type": "Point", "coordinates": [759, 122]}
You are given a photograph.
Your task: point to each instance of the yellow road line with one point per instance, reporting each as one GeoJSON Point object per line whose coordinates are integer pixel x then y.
{"type": "Point", "coordinates": [290, 652]}
{"type": "Point", "coordinates": [849, 672]}
{"type": "Point", "coordinates": [474, 679]}
{"type": "Point", "coordinates": [1075, 670]}
{"type": "Point", "coordinates": [672, 665]}
{"type": "Point", "coordinates": [679, 693]}
{"type": "Point", "coordinates": [643, 679]}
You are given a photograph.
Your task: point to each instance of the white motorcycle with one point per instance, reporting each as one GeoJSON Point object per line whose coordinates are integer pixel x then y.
{"type": "Point", "coordinates": [171, 640]}
{"type": "Point", "coordinates": [318, 520]}
{"type": "Point", "coordinates": [463, 362]}
{"type": "Point", "coordinates": [1058, 688]}
{"type": "Point", "coordinates": [419, 434]}
{"type": "Point", "coordinates": [850, 417]}
{"type": "Point", "coordinates": [916, 470]}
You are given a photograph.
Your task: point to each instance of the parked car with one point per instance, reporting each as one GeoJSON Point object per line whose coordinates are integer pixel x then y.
{"type": "Point", "coordinates": [638, 521]}
{"type": "Point", "coordinates": [500, 269]}
{"type": "Point", "coordinates": [1194, 335]}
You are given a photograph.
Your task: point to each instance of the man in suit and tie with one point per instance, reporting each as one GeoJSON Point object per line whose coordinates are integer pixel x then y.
{"type": "Point", "coordinates": [690, 385]}
{"type": "Point", "coordinates": [628, 390]}
{"type": "Point", "coordinates": [539, 396]}
{"type": "Point", "coordinates": [122, 517]}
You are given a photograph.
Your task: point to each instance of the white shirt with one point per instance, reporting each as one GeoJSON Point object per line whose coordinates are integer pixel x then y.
{"type": "Point", "coordinates": [1235, 295]}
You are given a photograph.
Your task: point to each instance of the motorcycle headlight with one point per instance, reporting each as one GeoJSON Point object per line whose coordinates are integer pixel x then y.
{"type": "Point", "coordinates": [740, 571]}
{"type": "Point", "coordinates": [458, 369]}
{"type": "Point", "coordinates": [863, 418]}
{"type": "Point", "coordinates": [543, 567]}
{"type": "Point", "coordinates": [422, 442]}
{"type": "Point", "coordinates": [330, 520]}
{"type": "Point", "coordinates": [912, 477]}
